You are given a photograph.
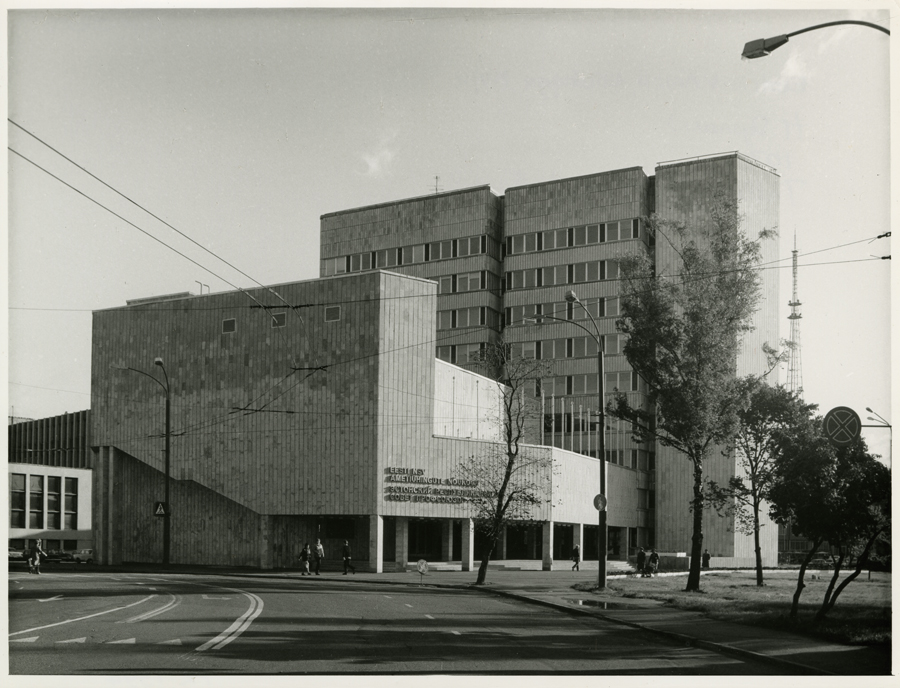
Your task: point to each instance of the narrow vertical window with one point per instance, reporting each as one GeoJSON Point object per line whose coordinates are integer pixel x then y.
{"type": "Point", "coordinates": [54, 502]}
{"type": "Point", "coordinates": [71, 504]}
{"type": "Point", "coordinates": [36, 501]}
{"type": "Point", "coordinates": [17, 500]}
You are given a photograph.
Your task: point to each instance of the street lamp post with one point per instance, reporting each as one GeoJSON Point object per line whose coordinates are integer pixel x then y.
{"type": "Point", "coordinates": [167, 524]}
{"type": "Point", "coordinates": [763, 46]}
{"type": "Point", "coordinates": [881, 423]}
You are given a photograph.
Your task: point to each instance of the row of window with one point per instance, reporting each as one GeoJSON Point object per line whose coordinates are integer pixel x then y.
{"type": "Point", "coordinates": [571, 347]}
{"type": "Point", "coordinates": [409, 255]}
{"type": "Point", "coordinates": [538, 313]}
{"type": "Point", "coordinates": [460, 354]}
{"type": "Point", "coordinates": [568, 237]}
{"type": "Point", "coordinates": [468, 317]}
{"type": "Point", "coordinates": [27, 503]}
{"type": "Point", "coordinates": [332, 314]}
{"type": "Point", "coordinates": [469, 281]}
{"type": "Point", "coordinates": [574, 273]}
{"type": "Point", "coordinates": [569, 385]}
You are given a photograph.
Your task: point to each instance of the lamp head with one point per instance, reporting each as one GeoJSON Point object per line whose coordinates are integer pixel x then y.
{"type": "Point", "coordinates": [158, 361]}
{"type": "Point", "coordinates": [571, 296]}
{"type": "Point", "coordinates": [869, 410]}
{"type": "Point", "coordinates": [762, 47]}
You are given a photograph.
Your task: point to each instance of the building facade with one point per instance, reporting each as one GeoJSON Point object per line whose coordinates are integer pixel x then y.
{"type": "Point", "coordinates": [308, 410]}
{"type": "Point", "coordinates": [567, 235]}
{"type": "Point", "coordinates": [50, 483]}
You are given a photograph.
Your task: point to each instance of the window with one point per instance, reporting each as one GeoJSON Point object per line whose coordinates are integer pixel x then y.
{"type": "Point", "coordinates": [54, 483]}
{"type": "Point", "coordinates": [278, 319]}
{"type": "Point", "coordinates": [17, 500]}
{"type": "Point", "coordinates": [71, 504]}
{"type": "Point", "coordinates": [447, 353]}
{"type": "Point", "coordinates": [445, 284]}
{"type": "Point", "coordinates": [332, 313]}
{"type": "Point", "coordinates": [386, 258]}
{"type": "Point", "coordinates": [469, 353]}
{"type": "Point", "coordinates": [229, 326]}
{"type": "Point", "coordinates": [445, 320]}
{"type": "Point", "coordinates": [470, 281]}
{"type": "Point", "coordinates": [355, 263]}
{"type": "Point", "coordinates": [36, 501]}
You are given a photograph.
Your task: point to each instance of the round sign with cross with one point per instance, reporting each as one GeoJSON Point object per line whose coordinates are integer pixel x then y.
{"type": "Point", "coordinates": [842, 426]}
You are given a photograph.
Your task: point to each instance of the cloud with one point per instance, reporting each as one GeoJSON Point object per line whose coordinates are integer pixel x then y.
{"type": "Point", "coordinates": [378, 161]}
{"type": "Point", "coordinates": [795, 69]}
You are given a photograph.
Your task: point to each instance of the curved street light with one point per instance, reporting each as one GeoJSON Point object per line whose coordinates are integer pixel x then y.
{"type": "Point", "coordinates": [602, 538]}
{"type": "Point", "coordinates": [881, 423]}
{"type": "Point", "coordinates": [763, 46]}
{"type": "Point", "coordinates": [167, 524]}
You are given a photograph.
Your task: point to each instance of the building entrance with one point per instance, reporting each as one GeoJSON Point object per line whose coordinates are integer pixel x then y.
{"type": "Point", "coordinates": [424, 540]}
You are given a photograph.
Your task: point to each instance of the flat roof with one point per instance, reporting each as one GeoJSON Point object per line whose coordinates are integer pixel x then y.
{"type": "Point", "coordinates": [408, 200]}
{"type": "Point", "coordinates": [580, 176]}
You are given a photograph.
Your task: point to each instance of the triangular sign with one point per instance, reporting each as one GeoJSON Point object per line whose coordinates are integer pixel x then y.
{"type": "Point", "coordinates": [160, 509]}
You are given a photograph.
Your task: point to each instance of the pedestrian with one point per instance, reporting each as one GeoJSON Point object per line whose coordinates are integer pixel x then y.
{"type": "Point", "coordinates": [576, 557]}
{"type": "Point", "coordinates": [653, 563]}
{"type": "Point", "coordinates": [34, 564]}
{"type": "Point", "coordinates": [705, 559]}
{"type": "Point", "coordinates": [304, 560]}
{"type": "Point", "coordinates": [641, 562]}
{"type": "Point", "coordinates": [345, 553]}
{"type": "Point", "coordinates": [318, 555]}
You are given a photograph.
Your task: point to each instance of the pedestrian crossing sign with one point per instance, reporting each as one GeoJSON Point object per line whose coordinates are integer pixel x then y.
{"type": "Point", "coordinates": [159, 509]}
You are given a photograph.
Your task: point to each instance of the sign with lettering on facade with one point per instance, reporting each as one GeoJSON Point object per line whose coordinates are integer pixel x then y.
{"type": "Point", "coordinates": [414, 485]}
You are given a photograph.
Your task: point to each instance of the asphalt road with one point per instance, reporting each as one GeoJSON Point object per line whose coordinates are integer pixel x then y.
{"type": "Point", "coordinates": [105, 623]}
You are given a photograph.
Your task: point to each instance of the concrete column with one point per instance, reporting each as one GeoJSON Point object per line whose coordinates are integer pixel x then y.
{"type": "Point", "coordinates": [468, 544]}
{"type": "Point", "coordinates": [578, 537]}
{"type": "Point", "coordinates": [376, 543]}
{"type": "Point", "coordinates": [547, 538]}
{"type": "Point", "coordinates": [447, 539]}
{"type": "Point", "coordinates": [266, 546]}
{"type": "Point", "coordinates": [501, 544]}
{"type": "Point", "coordinates": [402, 542]}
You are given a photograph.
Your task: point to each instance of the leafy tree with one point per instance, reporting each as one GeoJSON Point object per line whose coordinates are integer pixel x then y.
{"type": "Point", "coordinates": [512, 479]}
{"type": "Point", "coordinates": [839, 496]}
{"type": "Point", "coordinates": [683, 334]}
{"type": "Point", "coordinates": [770, 410]}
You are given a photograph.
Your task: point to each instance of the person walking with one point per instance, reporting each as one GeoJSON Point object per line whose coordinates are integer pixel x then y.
{"type": "Point", "coordinates": [576, 557]}
{"type": "Point", "coordinates": [705, 559]}
{"type": "Point", "coordinates": [653, 563]}
{"type": "Point", "coordinates": [641, 562]}
{"type": "Point", "coordinates": [318, 555]}
{"type": "Point", "coordinates": [304, 560]}
{"type": "Point", "coordinates": [34, 563]}
{"type": "Point", "coordinates": [345, 553]}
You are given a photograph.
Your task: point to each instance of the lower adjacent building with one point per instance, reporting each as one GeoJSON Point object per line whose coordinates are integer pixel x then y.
{"type": "Point", "coordinates": [312, 410]}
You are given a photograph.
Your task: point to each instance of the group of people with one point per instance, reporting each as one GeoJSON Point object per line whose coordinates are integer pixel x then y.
{"type": "Point", "coordinates": [317, 554]}
{"type": "Point", "coordinates": [647, 564]}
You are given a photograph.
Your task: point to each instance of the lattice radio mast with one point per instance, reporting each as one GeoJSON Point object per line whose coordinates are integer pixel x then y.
{"type": "Point", "coordinates": [795, 365]}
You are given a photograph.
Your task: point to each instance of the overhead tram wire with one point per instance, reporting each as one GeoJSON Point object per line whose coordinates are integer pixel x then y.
{"type": "Point", "coordinates": [138, 205]}
{"type": "Point", "coordinates": [160, 241]}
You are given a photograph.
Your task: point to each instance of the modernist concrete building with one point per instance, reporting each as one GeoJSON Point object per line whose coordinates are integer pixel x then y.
{"type": "Point", "coordinates": [566, 235]}
{"type": "Point", "coordinates": [305, 410]}
{"type": "Point", "coordinates": [50, 486]}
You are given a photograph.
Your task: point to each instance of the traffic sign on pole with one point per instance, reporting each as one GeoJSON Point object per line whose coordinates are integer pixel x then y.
{"type": "Point", "coordinates": [842, 426]}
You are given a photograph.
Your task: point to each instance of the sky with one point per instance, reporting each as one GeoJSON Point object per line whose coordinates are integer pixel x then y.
{"type": "Point", "coordinates": [240, 128]}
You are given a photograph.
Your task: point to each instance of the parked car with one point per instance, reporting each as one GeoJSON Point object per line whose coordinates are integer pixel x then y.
{"type": "Point", "coordinates": [54, 556]}
{"type": "Point", "coordinates": [84, 556]}
{"type": "Point", "coordinates": [16, 555]}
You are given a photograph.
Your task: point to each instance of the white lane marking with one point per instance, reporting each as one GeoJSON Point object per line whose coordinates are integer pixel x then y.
{"type": "Point", "coordinates": [82, 618]}
{"type": "Point", "coordinates": [170, 642]}
{"type": "Point", "coordinates": [50, 599]}
{"type": "Point", "coordinates": [214, 597]}
{"type": "Point", "coordinates": [388, 597]}
{"type": "Point", "coordinates": [25, 640]}
{"type": "Point", "coordinates": [456, 633]}
{"type": "Point", "coordinates": [409, 605]}
{"type": "Point", "coordinates": [429, 616]}
{"type": "Point", "coordinates": [127, 641]}
{"type": "Point", "coordinates": [174, 602]}
{"type": "Point", "coordinates": [73, 640]}
{"type": "Point", "coordinates": [238, 627]}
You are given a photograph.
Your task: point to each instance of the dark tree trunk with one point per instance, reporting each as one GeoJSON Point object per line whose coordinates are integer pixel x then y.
{"type": "Point", "coordinates": [758, 549]}
{"type": "Point", "coordinates": [693, 582]}
{"type": "Point", "coordinates": [795, 603]}
{"type": "Point", "coordinates": [485, 560]}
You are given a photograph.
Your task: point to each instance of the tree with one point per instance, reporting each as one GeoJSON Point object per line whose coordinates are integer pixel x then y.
{"type": "Point", "coordinates": [512, 479]}
{"type": "Point", "coordinates": [835, 495]}
{"type": "Point", "coordinates": [770, 410]}
{"type": "Point", "coordinates": [683, 335]}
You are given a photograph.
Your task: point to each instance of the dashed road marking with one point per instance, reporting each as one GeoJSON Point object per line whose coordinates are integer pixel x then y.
{"type": "Point", "coordinates": [50, 599]}
{"type": "Point", "coordinates": [127, 641]}
{"type": "Point", "coordinates": [429, 616]}
{"type": "Point", "coordinates": [456, 633]}
{"type": "Point", "coordinates": [25, 640]}
{"type": "Point", "coordinates": [177, 641]}
{"type": "Point", "coordinates": [409, 605]}
{"type": "Point", "coordinates": [73, 640]}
